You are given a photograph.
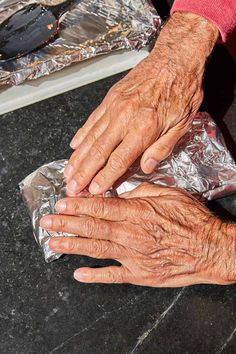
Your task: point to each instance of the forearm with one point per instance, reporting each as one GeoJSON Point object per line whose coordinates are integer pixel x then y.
{"type": "Point", "coordinates": [228, 265]}
{"type": "Point", "coordinates": [221, 263]}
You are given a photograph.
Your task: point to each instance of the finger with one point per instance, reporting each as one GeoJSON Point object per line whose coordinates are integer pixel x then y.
{"type": "Point", "coordinates": [95, 132]}
{"type": "Point", "coordinates": [90, 162]}
{"type": "Point", "coordinates": [113, 209]}
{"type": "Point", "coordinates": [90, 227]}
{"type": "Point", "coordinates": [122, 275]}
{"type": "Point", "coordinates": [121, 231]}
{"type": "Point", "coordinates": [79, 154]}
{"type": "Point", "coordinates": [86, 247]}
{"type": "Point", "coordinates": [82, 132]}
{"type": "Point", "coordinates": [84, 226]}
{"type": "Point", "coordinates": [119, 162]}
{"type": "Point", "coordinates": [112, 274]}
{"type": "Point", "coordinates": [160, 150]}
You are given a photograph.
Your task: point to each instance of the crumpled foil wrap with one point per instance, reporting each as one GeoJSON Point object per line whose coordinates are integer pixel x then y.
{"type": "Point", "coordinates": [200, 163]}
{"type": "Point", "coordinates": [89, 29]}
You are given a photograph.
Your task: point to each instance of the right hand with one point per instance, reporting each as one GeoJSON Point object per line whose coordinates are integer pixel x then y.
{"type": "Point", "coordinates": [162, 237]}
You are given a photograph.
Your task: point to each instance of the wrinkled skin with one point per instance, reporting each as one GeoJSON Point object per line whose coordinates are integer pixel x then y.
{"type": "Point", "coordinates": [148, 111]}
{"type": "Point", "coordinates": [162, 237]}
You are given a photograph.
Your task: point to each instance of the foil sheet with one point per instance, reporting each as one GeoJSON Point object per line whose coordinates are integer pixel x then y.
{"type": "Point", "coordinates": [200, 163]}
{"type": "Point", "coordinates": [89, 29]}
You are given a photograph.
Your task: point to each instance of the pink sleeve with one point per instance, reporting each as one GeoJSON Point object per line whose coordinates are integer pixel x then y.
{"type": "Point", "coordinates": [221, 12]}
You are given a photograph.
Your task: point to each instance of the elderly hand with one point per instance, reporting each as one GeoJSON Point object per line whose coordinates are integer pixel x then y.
{"type": "Point", "coordinates": [161, 236]}
{"type": "Point", "coordinates": [147, 111]}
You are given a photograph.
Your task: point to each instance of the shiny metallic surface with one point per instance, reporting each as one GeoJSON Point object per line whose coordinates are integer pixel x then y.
{"type": "Point", "coordinates": [200, 164]}
{"type": "Point", "coordinates": [89, 29]}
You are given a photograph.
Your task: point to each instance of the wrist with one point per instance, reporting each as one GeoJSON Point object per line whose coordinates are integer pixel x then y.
{"type": "Point", "coordinates": [188, 38]}
{"type": "Point", "coordinates": [222, 261]}
{"type": "Point", "coordinates": [229, 235]}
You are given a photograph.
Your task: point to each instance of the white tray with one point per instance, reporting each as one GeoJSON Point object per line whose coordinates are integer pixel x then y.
{"type": "Point", "coordinates": [77, 75]}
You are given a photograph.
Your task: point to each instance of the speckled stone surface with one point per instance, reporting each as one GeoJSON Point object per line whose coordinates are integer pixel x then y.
{"type": "Point", "coordinates": [42, 309]}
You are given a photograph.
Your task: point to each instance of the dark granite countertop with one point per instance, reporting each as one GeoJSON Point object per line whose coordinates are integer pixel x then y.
{"type": "Point", "coordinates": [42, 309]}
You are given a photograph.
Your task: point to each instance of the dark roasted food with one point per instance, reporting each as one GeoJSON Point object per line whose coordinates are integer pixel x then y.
{"type": "Point", "coordinates": [30, 28]}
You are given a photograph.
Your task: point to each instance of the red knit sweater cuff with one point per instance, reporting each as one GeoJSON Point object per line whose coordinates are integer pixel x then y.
{"type": "Point", "coordinates": [220, 12]}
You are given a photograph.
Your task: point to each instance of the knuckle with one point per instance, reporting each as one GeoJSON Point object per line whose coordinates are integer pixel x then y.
{"type": "Point", "coordinates": [90, 227]}
{"type": "Point", "coordinates": [150, 122]}
{"type": "Point", "coordinates": [121, 107]}
{"type": "Point", "coordinates": [71, 245]}
{"type": "Point", "coordinates": [147, 125]}
{"type": "Point", "coordinates": [165, 150]}
{"type": "Point", "coordinates": [91, 139]}
{"type": "Point", "coordinates": [117, 163]}
{"type": "Point", "coordinates": [132, 151]}
{"type": "Point", "coordinates": [98, 151]}
{"type": "Point", "coordinates": [98, 208]}
{"type": "Point", "coordinates": [76, 208]}
{"type": "Point", "coordinates": [97, 249]}
{"type": "Point", "coordinates": [60, 223]}
{"type": "Point", "coordinates": [114, 277]}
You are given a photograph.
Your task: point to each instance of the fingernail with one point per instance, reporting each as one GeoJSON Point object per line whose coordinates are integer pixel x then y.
{"type": "Point", "coordinates": [54, 243]}
{"type": "Point", "coordinates": [80, 276]}
{"type": "Point", "coordinates": [94, 188]}
{"type": "Point", "coordinates": [74, 142]}
{"type": "Point", "coordinates": [46, 222]}
{"type": "Point", "coordinates": [151, 164]}
{"type": "Point", "coordinates": [72, 185]}
{"type": "Point", "coordinates": [61, 205]}
{"type": "Point", "coordinates": [68, 172]}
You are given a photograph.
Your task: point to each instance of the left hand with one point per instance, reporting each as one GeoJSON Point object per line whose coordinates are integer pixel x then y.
{"type": "Point", "coordinates": [148, 111]}
{"type": "Point", "coordinates": [162, 237]}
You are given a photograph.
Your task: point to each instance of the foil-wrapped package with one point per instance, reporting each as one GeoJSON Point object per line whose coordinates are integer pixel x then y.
{"type": "Point", "coordinates": [200, 163]}
{"type": "Point", "coordinates": [41, 190]}
{"type": "Point", "coordinates": [89, 29]}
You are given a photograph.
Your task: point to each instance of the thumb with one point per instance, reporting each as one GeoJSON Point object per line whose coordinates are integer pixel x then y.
{"type": "Point", "coordinates": [160, 150]}
{"type": "Point", "coordinates": [146, 189]}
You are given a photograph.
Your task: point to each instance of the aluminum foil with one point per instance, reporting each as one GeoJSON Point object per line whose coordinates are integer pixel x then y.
{"type": "Point", "coordinates": [200, 164]}
{"type": "Point", "coordinates": [41, 190]}
{"type": "Point", "coordinates": [89, 29]}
